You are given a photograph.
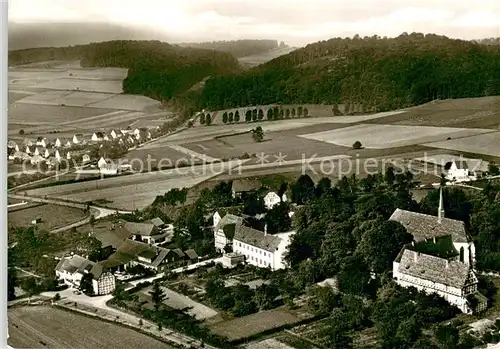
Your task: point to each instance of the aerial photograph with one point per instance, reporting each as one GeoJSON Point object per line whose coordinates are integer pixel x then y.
{"type": "Point", "coordinates": [259, 174]}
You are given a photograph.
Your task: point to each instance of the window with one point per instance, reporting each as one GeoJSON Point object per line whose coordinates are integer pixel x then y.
{"type": "Point", "coordinates": [239, 243]}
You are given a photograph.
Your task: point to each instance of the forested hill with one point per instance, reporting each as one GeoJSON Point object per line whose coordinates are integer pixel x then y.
{"type": "Point", "coordinates": [238, 48]}
{"type": "Point", "coordinates": [156, 69]}
{"type": "Point", "coordinates": [373, 73]}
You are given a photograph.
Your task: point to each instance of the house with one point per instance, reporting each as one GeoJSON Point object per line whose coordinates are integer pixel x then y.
{"type": "Point", "coordinates": [68, 156]}
{"type": "Point", "coordinates": [457, 171]}
{"type": "Point", "coordinates": [37, 159]}
{"type": "Point", "coordinates": [158, 222]}
{"type": "Point", "coordinates": [115, 135]}
{"type": "Point", "coordinates": [28, 150]}
{"type": "Point", "coordinates": [42, 142]}
{"type": "Point", "coordinates": [261, 249]}
{"type": "Point", "coordinates": [148, 233]}
{"type": "Point", "coordinates": [46, 154]}
{"type": "Point", "coordinates": [241, 186]}
{"type": "Point", "coordinates": [232, 259]}
{"type": "Point", "coordinates": [57, 155]}
{"type": "Point", "coordinates": [272, 199]}
{"type": "Point", "coordinates": [121, 141]}
{"type": "Point", "coordinates": [97, 137]}
{"type": "Point", "coordinates": [131, 253]}
{"type": "Point", "coordinates": [439, 260]}
{"type": "Point", "coordinates": [57, 143]}
{"type": "Point", "coordinates": [36, 221]}
{"type": "Point", "coordinates": [18, 155]}
{"type": "Point", "coordinates": [12, 145]}
{"type": "Point", "coordinates": [101, 162]}
{"type": "Point", "coordinates": [76, 140]}
{"type": "Point", "coordinates": [109, 169]}
{"type": "Point", "coordinates": [37, 151]}
{"type": "Point", "coordinates": [191, 255]}
{"type": "Point", "coordinates": [85, 158]}
{"type": "Point", "coordinates": [70, 271]}
{"type": "Point", "coordinates": [224, 229]}
{"type": "Point", "coordinates": [68, 144]}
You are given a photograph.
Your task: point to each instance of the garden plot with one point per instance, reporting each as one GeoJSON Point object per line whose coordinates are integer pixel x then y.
{"type": "Point", "coordinates": [44, 326]}
{"type": "Point", "coordinates": [487, 144]}
{"type": "Point", "coordinates": [128, 102]}
{"type": "Point", "coordinates": [390, 136]}
{"type": "Point", "coordinates": [108, 86]}
{"type": "Point", "coordinates": [179, 301]}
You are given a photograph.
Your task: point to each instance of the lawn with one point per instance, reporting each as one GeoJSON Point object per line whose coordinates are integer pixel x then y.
{"type": "Point", "coordinates": [43, 326]}
{"type": "Point", "coordinates": [253, 324]}
{"type": "Point", "coordinates": [52, 216]}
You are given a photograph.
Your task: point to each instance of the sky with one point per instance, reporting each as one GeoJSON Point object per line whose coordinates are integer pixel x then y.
{"type": "Point", "coordinates": [297, 22]}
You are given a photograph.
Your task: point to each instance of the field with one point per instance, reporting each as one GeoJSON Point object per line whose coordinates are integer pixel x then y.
{"type": "Point", "coordinates": [488, 144]}
{"type": "Point", "coordinates": [255, 323]}
{"type": "Point", "coordinates": [254, 60]}
{"type": "Point", "coordinates": [52, 216]}
{"type": "Point", "coordinates": [63, 98]}
{"type": "Point", "coordinates": [40, 326]}
{"type": "Point", "coordinates": [135, 191]}
{"type": "Point", "coordinates": [391, 136]}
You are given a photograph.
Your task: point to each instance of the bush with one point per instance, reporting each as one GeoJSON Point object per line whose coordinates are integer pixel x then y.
{"type": "Point", "coordinates": [21, 132]}
{"type": "Point", "coordinates": [357, 145]}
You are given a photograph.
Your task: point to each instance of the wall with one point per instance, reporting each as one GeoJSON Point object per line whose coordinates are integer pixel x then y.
{"type": "Point", "coordinates": [255, 256]}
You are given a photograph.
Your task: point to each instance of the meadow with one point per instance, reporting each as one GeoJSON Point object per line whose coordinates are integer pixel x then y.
{"type": "Point", "coordinates": [52, 216]}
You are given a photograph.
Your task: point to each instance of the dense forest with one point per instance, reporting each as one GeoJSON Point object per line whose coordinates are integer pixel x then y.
{"type": "Point", "coordinates": [156, 69]}
{"type": "Point", "coordinates": [238, 48]}
{"type": "Point", "coordinates": [377, 73]}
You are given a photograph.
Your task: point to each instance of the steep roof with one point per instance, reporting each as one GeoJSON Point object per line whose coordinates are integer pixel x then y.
{"type": "Point", "coordinates": [228, 219]}
{"type": "Point", "coordinates": [423, 226]}
{"type": "Point", "coordinates": [144, 229]}
{"type": "Point", "coordinates": [78, 264]}
{"type": "Point", "coordinates": [191, 254]}
{"type": "Point", "coordinates": [256, 238]}
{"type": "Point", "coordinates": [434, 269]}
{"type": "Point", "coordinates": [242, 185]}
{"type": "Point", "coordinates": [157, 222]}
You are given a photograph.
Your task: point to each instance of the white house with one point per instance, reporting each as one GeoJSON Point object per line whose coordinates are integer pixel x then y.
{"type": "Point", "coordinates": [272, 199]}
{"type": "Point", "coordinates": [439, 260]}
{"type": "Point", "coordinates": [101, 162]}
{"type": "Point", "coordinates": [68, 156]}
{"type": "Point", "coordinates": [105, 138]}
{"type": "Point", "coordinates": [458, 171]}
{"type": "Point", "coordinates": [261, 249]}
{"type": "Point", "coordinates": [148, 233]}
{"type": "Point", "coordinates": [37, 151]}
{"type": "Point", "coordinates": [28, 150]}
{"type": "Point", "coordinates": [68, 144]}
{"type": "Point", "coordinates": [58, 143]}
{"type": "Point", "coordinates": [57, 155]}
{"type": "Point", "coordinates": [114, 134]}
{"type": "Point", "coordinates": [85, 158]}
{"type": "Point", "coordinates": [97, 137]}
{"type": "Point", "coordinates": [76, 140]}
{"type": "Point", "coordinates": [70, 271]}
{"type": "Point", "coordinates": [121, 141]}
{"type": "Point", "coordinates": [37, 159]}
{"type": "Point", "coordinates": [109, 169]}
{"type": "Point", "coordinates": [42, 142]}
{"type": "Point", "coordinates": [46, 154]}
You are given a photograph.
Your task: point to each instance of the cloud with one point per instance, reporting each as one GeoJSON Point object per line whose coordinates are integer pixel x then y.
{"type": "Point", "coordinates": [297, 22]}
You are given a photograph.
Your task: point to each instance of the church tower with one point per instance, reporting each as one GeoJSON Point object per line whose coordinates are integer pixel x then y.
{"type": "Point", "coordinates": [441, 206]}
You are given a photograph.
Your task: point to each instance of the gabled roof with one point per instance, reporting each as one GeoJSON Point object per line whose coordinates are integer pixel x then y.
{"type": "Point", "coordinates": [191, 254]}
{"type": "Point", "coordinates": [423, 226]}
{"type": "Point", "coordinates": [229, 219]}
{"type": "Point", "coordinates": [158, 222]}
{"type": "Point", "coordinates": [178, 252]}
{"type": "Point", "coordinates": [144, 229]}
{"type": "Point", "coordinates": [256, 238]}
{"type": "Point", "coordinates": [78, 264]}
{"type": "Point", "coordinates": [434, 269]}
{"type": "Point", "coordinates": [244, 185]}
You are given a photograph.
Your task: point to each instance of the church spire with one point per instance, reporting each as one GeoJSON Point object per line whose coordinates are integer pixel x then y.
{"type": "Point", "coordinates": [441, 207]}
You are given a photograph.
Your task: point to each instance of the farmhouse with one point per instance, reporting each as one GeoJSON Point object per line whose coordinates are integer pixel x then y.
{"type": "Point", "coordinates": [439, 260]}
{"type": "Point", "coordinates": [46, 154]}
{"type": "Point", "coordinates": [28, 150]}
{"type": "Point", "coordinates": [76, 140]}
{"type": "Point", "coordinates": [85, 158]}
{"type": "Point", "coordinates": [241, 186]}
{"type": "Point", "coordinates": [272, 199]}
{"type": "Point", "coordinates": [58, 143]}
{"type": "Point", "coordinates": [42, 142]}
{"type": "Point", "coordinates": [68, 144]}
{"type": "Point", "coordinates": [70, 271]}
{"type": "Point", "coordinates": [464, 170]}
{"type": "Point", "coordinates": [261, 249]}
{"type": "Point", "coordinates": [101, 162]}
{"type": "Point", "coordinates": [147, 232]}
{"type": "Point", "coordinates": [114, 134]}
{"type": "Point", "coordinates": [158, 222]}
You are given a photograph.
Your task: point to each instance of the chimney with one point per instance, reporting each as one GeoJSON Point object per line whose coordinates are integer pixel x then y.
{"type": "Point", "coordinates": [415, 256]}
{"type": "Point", "coordinates": [441, 208]}
{"type": "Point", "coordinates": [434, 239]}
{"type": "Point", "coordinates": [447, 264]}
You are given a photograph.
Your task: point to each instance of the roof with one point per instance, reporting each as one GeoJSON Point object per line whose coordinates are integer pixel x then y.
{"type": "Point", "coordinates": [191, 254]}
{"type": "Point", "coordinates": [78, 264]}
{"type": "Point", "coordinates": [157, 222]}
{"type": "Point", "coordinates": [144, 229]}
{"type": "Point", "coordinates": [179, 252]}
{"type": "Point", "coordinates": [435, 269]}
{"type": "Point", "coordinates": [242, 185]}
{"type": "Point", "coordinates": [129, 250]}
{"type": "Point", "coordinates": [229, 219]}
{"type": "Point", "coordinates": [256, 238]}
{"type": "Point", "coordinates": [423, 226]}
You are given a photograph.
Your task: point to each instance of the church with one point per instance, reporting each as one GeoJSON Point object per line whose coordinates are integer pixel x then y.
{"type": "Point", "coordinates": [440, 259]}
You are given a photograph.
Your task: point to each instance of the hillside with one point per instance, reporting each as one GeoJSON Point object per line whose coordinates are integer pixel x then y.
{"type": "Point", "coordinates": [366, 74]}
{"type": "Point", "coordinates": [156, 69]}
{"type": "Point", "coordinates": [238, 48]}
